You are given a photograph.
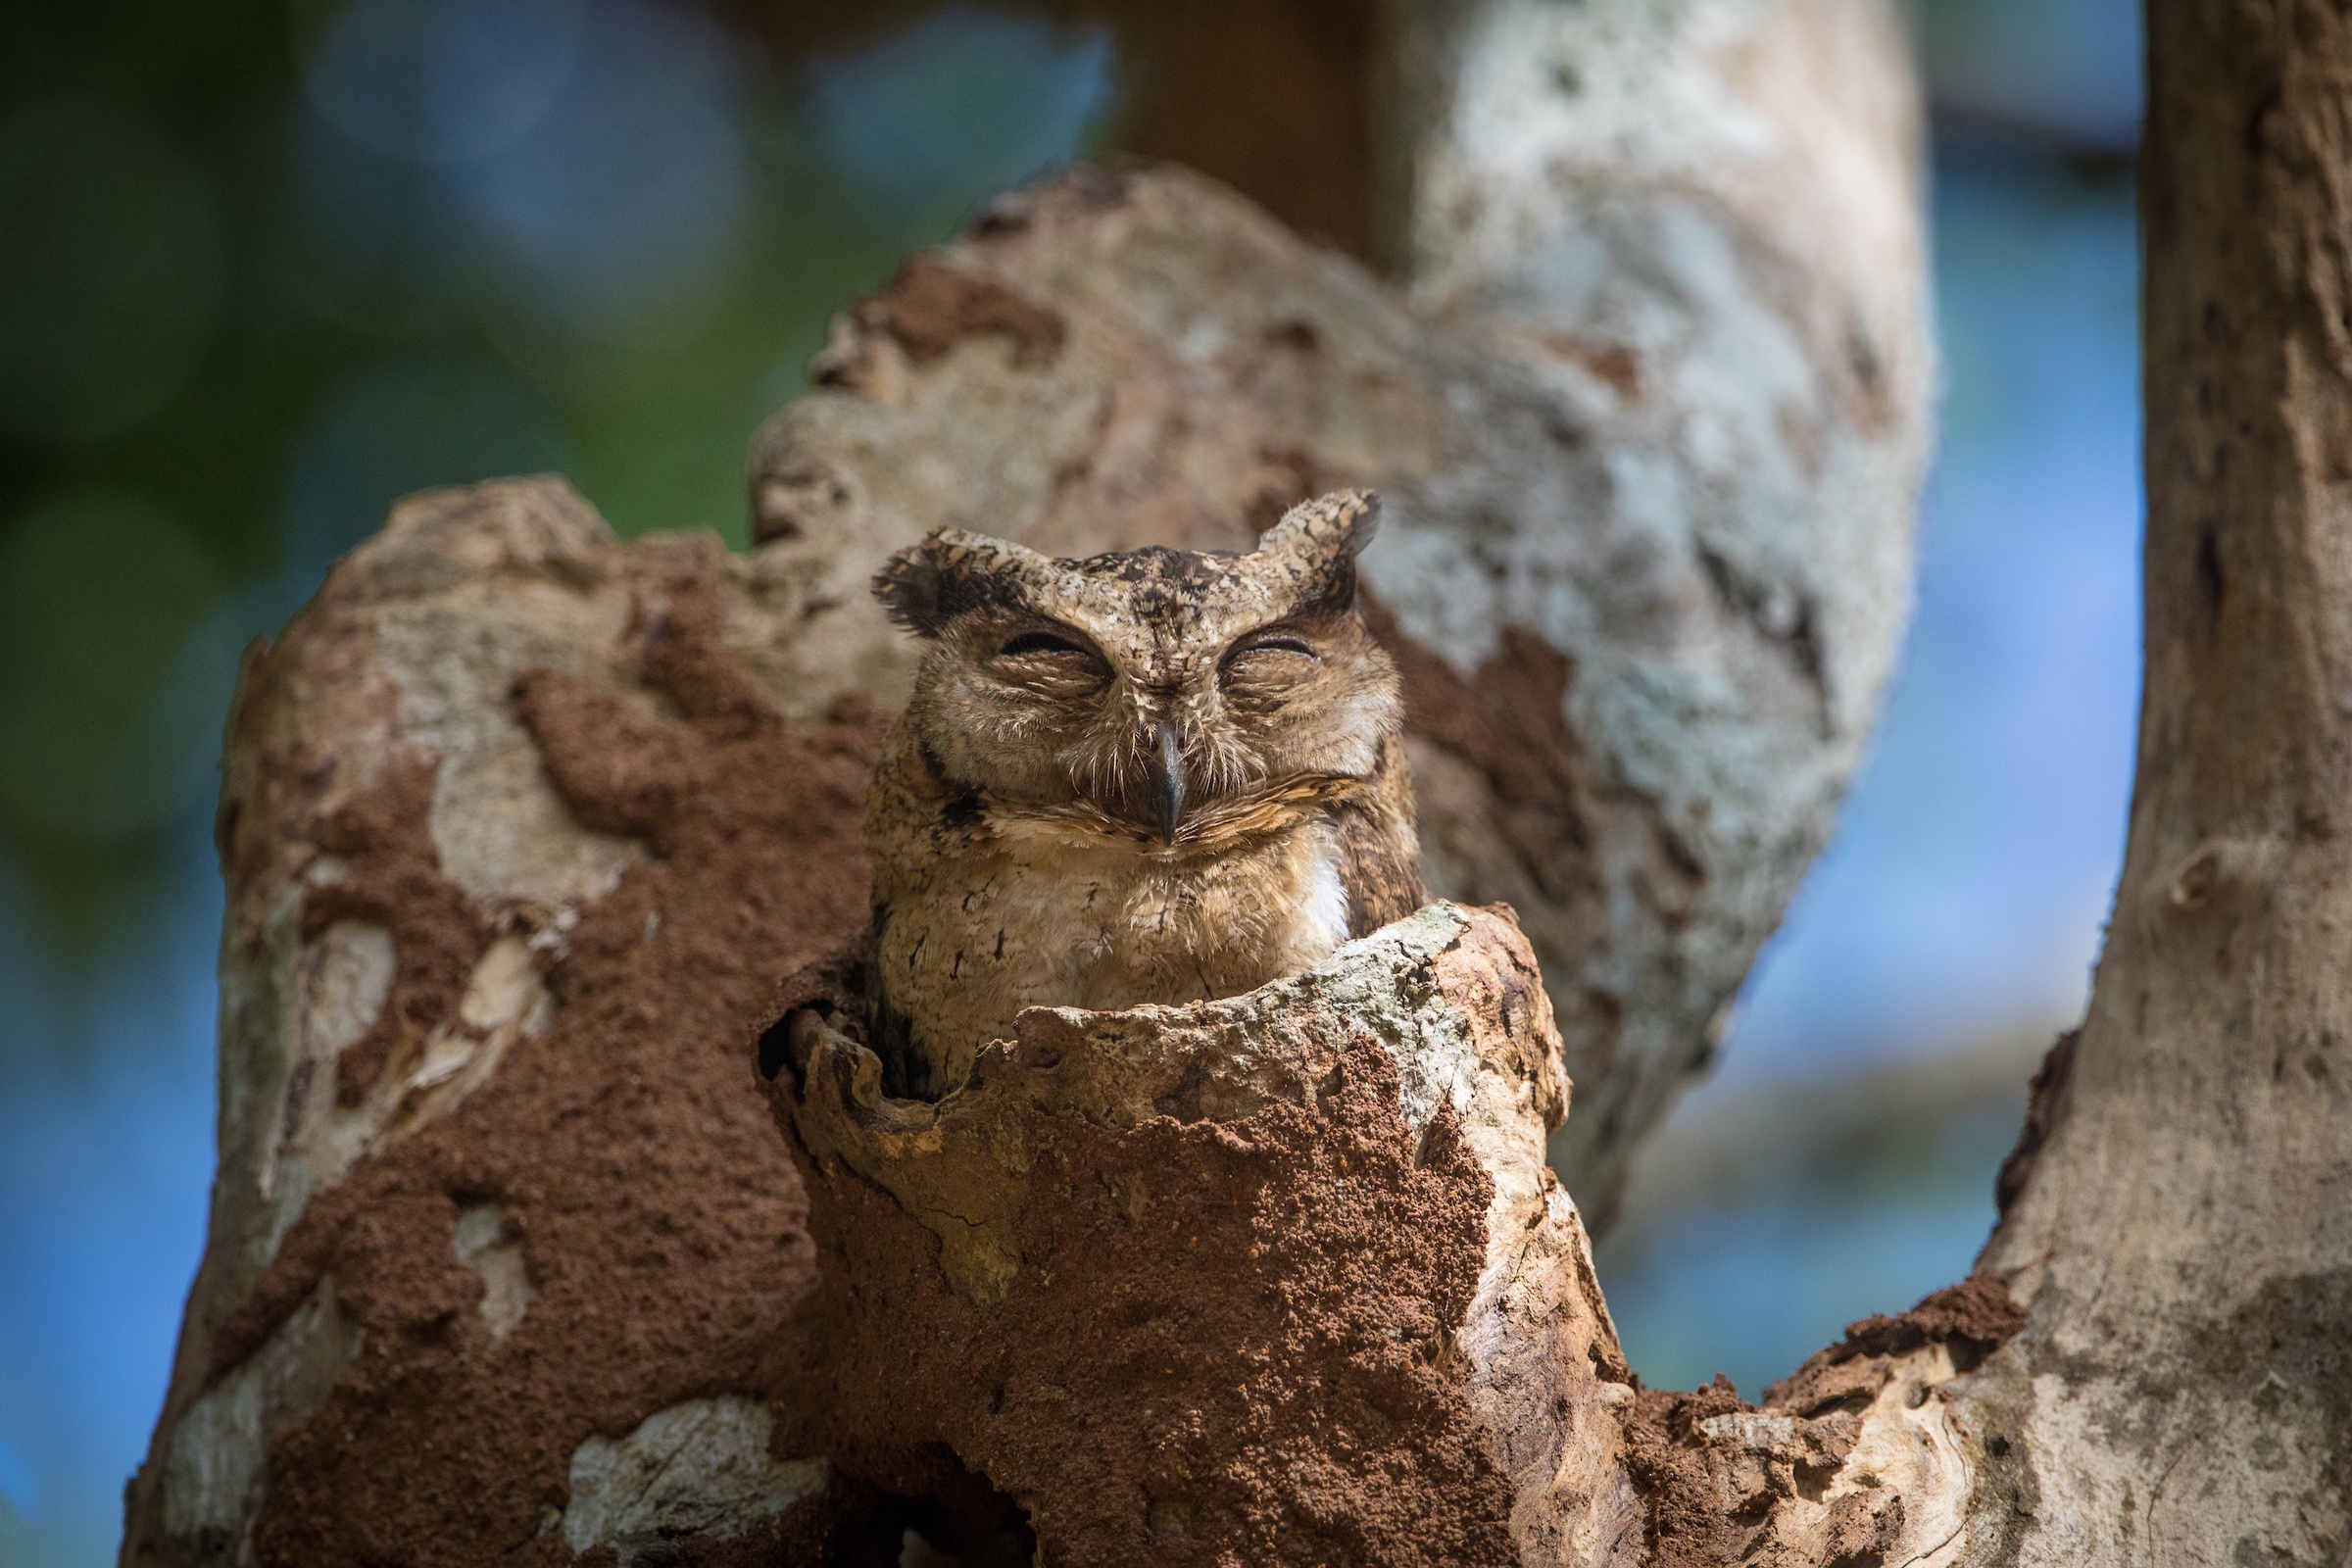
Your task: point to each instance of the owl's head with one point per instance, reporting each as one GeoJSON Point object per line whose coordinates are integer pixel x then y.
{"type": "Point", "coordinates": [1151, 684]}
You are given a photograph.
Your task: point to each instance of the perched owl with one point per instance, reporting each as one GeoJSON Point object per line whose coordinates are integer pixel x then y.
{"type": "Point", "coordinates": [1149, 776]}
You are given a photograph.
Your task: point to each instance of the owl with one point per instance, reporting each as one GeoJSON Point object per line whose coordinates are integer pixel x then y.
{"type": "Point", "coordinates": [1151, 776]}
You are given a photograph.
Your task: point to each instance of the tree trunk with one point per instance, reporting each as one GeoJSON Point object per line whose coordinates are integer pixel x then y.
{"type": "Point", "coordinates": [2183, 1393]}
{"type": "Point", "coordinates": [512, 1253]}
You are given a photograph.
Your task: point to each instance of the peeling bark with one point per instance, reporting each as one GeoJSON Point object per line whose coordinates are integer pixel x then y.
{"type": "Point", "coordinates": [522, 827]}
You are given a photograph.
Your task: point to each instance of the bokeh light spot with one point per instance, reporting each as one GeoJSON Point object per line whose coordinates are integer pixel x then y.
{"type": "Point", "coordinates": [961, 107]}
{"type": "Point", "coordinates": [584, 156]}
{"type": "Point", "coordinates": [623, 196]}
{"type": "Point", "coordinates": [437, 81]}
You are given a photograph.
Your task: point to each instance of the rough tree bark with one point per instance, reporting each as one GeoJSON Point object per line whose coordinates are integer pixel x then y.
{"type": "Point", "coordinates": [512, 1253]}
{"type": "Point", "coordinates": [2184, 1230]}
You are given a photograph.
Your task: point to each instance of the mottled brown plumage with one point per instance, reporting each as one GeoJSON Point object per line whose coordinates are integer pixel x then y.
{"type": "Point", "coordinates": [1156, 776]}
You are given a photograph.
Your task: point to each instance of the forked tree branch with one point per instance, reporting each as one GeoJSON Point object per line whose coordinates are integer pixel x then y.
{"type": "Point", "coordinates": [523, 825]}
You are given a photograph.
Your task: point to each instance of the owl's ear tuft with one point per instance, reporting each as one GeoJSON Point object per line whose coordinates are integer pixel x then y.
{"type": "Point", "coordinates": [1327, 531]}
{"type": "Point", "coordinates": [908, 586]}
{"type": "Point", "coordinates": [925, 586]}
{"type": "Point", "coordinates": [1316, 544]}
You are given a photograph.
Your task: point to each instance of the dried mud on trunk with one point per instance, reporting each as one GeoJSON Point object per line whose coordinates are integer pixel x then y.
{"type": "Point", "coordinates": [660, 1222]}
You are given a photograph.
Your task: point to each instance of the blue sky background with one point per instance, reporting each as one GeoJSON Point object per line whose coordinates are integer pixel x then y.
{"type": "Point", "coordinates": [1961, 899]}
{"type": "Point", "coordinates": [1958, 911]}
{"type": "Point", "coordinates": [1965, 886]}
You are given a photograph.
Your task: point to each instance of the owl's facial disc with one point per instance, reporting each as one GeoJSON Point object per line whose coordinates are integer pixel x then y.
{"type": "Point", "coordinates": [1151, 686]}
{"type": "Point", "coordinates": [1045, 711]}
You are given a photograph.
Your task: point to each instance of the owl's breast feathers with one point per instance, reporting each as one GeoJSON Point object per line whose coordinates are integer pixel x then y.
{"type": "Point", "coordinates": [983, 906]}
{"type": "Point", "coordinates": [1380, 851]}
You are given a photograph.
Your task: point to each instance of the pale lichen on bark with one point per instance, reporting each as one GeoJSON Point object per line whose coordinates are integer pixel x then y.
{"type": "Point", "coordinates": [521, 825]}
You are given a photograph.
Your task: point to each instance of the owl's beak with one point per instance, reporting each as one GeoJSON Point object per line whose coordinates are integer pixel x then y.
{"type": "Point", "coordinates": [1168, 780]}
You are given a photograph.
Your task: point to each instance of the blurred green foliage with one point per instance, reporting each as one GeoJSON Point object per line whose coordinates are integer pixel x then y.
{"type": "Point", "coordinates": [266, 266]}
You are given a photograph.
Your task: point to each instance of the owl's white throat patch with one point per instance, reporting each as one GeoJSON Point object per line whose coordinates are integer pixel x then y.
{"type": "Point", "coordinates": [1324, 909]}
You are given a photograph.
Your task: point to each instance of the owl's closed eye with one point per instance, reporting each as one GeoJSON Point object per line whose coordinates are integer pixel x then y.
{"type": "Point", "coordinates": [1151, 684]}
